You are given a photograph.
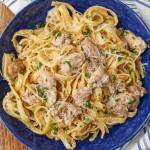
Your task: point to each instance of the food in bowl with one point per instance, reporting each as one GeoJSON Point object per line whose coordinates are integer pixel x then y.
{"type": "Point", "coordinates": [76, 75]}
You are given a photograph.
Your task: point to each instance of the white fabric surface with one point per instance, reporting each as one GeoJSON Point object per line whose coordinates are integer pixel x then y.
{"type": "Point", "coordinates": [142, 8]}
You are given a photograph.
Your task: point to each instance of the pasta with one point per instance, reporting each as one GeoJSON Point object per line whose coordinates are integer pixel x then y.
{"type": "Point", "coordinates": [76, 75]}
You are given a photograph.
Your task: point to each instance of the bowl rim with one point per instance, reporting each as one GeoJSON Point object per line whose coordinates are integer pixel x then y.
{"type": "Point", "coordinates": [18, 137]}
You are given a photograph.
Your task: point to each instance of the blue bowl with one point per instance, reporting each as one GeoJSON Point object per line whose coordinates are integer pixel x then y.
{"type": "Point", "coordinates": [119, 134]}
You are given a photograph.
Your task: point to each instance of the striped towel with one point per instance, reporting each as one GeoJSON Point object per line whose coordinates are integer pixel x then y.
{"type": "Point", "coordinates": [142, 8]}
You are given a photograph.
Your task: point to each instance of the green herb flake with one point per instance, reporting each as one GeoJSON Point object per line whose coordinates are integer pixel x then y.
{"type": "Point", "coordinates": [69, 64]}
{"type": "Point", "coordinates": [41, 127]}
{"type": "Point", "coordinates": [89, 104]}
{"type": "Point", "coordinates": [86, 121]}
{"type": "Point", "coordinates": [39, 65]}
{"type": "Point", "coordinates": [58, 21]}
{"type": "Point", "coordinates": [120, 54]}
{"type": "Point", "coordinates": [48, 16]}
{"type": "Point", "coordinates": [20, 44]}
{"type": "Point", "coordinates": [59, 33]}
{"type": "Point", "coordinates": [44, 103]}
{"type": "Point", "coordinates": [88, 60]}
{"type": "Point", "coordinates": [82, 48]}
{"type": "Point", "coordinates": [131, 102]}
{"type": "Point", "coordinates": [55, 105]}
{"type": "Point", "coordinates": [61, 54]}
{"type": "Point", "coordinates": [87, 74]}
{"type": "Point", "coordinates": [88, 31]}
{"type": "Point", "coordinates": [42, 93]}
{"type": "Point", "coordinates": [124, 33]}
{"type": "Point", "coordinates": [117, 100]}
{"type": "Point", "coordinates": [112, 50]}
{"type": "Point", "coordinates": [46, 115]}
{"type": "Point", "coordinates": [40, 25]}
{"type": "Point", "coordinates": [53, 128]}
{"type": "Point", "coordinates": [132, 49]}
{"type": "Point", "coordinates": [131, 71]}
{"type": "Point", "coordinates": [67, 128]}
{"type": "Point", "coordinates": [69, 37]}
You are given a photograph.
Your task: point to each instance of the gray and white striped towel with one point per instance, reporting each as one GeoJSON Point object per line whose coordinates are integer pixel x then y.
{"type": "Point", "coordinates": [142, 8]}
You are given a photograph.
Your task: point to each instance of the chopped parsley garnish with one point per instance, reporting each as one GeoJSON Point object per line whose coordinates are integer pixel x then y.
{"type": "Point", "coordinates": [40, 25]}
{"type": "Point", "coordinates": [88, 31]}
{"type": "Point", "coordinates": [67, 128]}
{"type": "Point", "coordinates": [132, 49]}
{"type": "Point", "coordinates": [39, 65]}
{"type": "Point", "coordinates": [41, 127]}
{"type": "Point", "coordinates": [124, 33]}
{"type": "Point", "coordinates": [87, 74]}
{"type": "Point", "coordinates": [58, 21]}
{"type": "Point", "coordinates": [88, 17]}
{"type": "Point", "coordinates": [69, 64]}
{"type": "Point", "coordinates": [120, 54]}
{"type": "Point", "coordinates": [42, 93]}
{"type": "Point", "coordinates": [112, 50]}
{"type": "Point", "coordinates": [82, 48]}
{"type": "Point", "coordinates": [44, 103]}
{"type": "Point", "coordinates": [117, 100]}
{"type": "Point", "coordinates": [46, 115]}
{"type": "Point", "coordinates": [131, 71]}
{"type": "Point", "coordinates": [20, 44]}
{"type": "Point", "coordinates": [88, 60]}
{"type": "Point", "coordinates": [89, 104]}
{"type": "Point", "coordinates": [53, 128]}
{"type": "Point", "coordinates": [55, 105]}
{"type": "Point", "coordinates": [69, 37]}
{"type": "Point", "coordinates": [86, 121]}
{"type": "Point", "coordinates": [131, 102]}
{"type": "Point", "coordinates": [48, 16]}
{"type": "Point", "coordinates": [59, 33]}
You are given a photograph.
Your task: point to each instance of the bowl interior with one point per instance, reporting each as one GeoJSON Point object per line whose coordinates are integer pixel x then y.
{"type": "Point", "coordinates": [119, 134]}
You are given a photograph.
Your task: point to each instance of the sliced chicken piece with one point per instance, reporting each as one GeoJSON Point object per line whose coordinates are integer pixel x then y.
{"type": "Point", "coordinates": [89, 48]}
{"type": "Point", "coordinates": [92, 64]}
{"type": "Point", "coordinates": [61, 39]}
{"type": "Point", "coordinates": [72, 64]}
{"type": "Point", "coordinates": [29, 98]}
{"type": "Point", "coordinates": [81, 95]}
{"type": "Point", "coordinates": [93, 54]}
{"type": "Point", "coordinates": [47, 87]}
{"type": "Point", "coordinates": [51, 16]}
{"type": "Point", "coordinates": [135, 43]}
{"type": "Point", "coordinates": [120, 104]}
{"type": "Point", "coordinates": [121, 87]}
{"type": "Point", "coordinates": [15, 67]}
{"type": "Point", "coordinates": [67, 111]}
{"type": "Point", "coordinates": [100, 79]}
{"type": "Point", "coordinates": [137, 92]}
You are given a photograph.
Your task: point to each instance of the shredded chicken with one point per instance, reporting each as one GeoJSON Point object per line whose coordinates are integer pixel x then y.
{"type": "Point", "coordinates": [81, 95]}
{"type": "Point", "coordinates": [61, 39]}
{"type": "Point", "coordinates": [29, 98]}
{"type": "Point", "coordinates": [51, 16]}
{"type": "Point", "coordinates": [47, 86]}
{"type": "Point", "coordinates": [135, 43]}
{"type": "Point", "coordinates": [15, 67]}
{"type": "Point", "coordinates": [72, 63]}
{"type": "Point", "coordinates": [67, 111]}
{"type": "Point", "coordinates": [120, 104]}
